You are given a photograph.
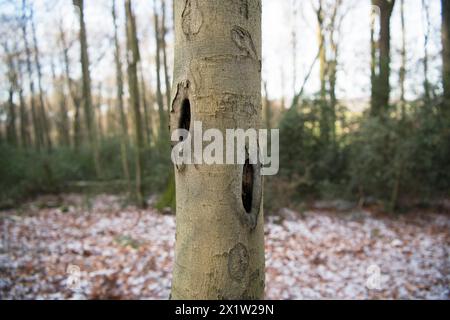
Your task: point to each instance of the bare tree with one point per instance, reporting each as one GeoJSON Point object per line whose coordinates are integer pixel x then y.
{"type": "Point", "coordinates": [24, 119]}
{"type": "Point", "coordinates": [87, 94]}
{"type": "Point", "coordinates": [426, 83]}
{"type": "Point", "coordinates": [380, 82]}
{"type": "Point", "coordinates": [63, 119]}
{"type": "Point", "coordinates": [163, 136]}
{"type": "Point", "coordinates": [11, 127]}
{"type": "Point", "coordinates": [164, 51]}
{"type": "Point", "coordinates": [72, 86]}
{"type": "Point", "coordinates": [402, 74]}
{"type": "Point", "coordinates": [133, 58]}
{"type": "Point", "coordinates": [119, 100]}
{"type": "Point", "coordinates": [37, 125]}
{"type": "Point", "coordinates": [42, 114]}
{"type": "Point", "coordinates": [445, 7]}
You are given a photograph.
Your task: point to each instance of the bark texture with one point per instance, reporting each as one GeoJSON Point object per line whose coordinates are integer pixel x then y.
{"type": "Point", "coordinates": [219, 251]}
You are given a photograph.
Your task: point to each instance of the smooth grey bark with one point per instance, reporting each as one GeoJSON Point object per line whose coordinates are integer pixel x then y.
{"type": "Point", "coordinates": [219, 251]}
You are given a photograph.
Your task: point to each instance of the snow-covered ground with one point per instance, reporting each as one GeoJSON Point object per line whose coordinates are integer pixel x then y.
{"type": "Point", "coordinates": [84, 248]}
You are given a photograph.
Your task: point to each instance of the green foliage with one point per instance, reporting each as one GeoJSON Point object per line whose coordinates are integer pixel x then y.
{"type": "Point", "coordinates": [25, 173]}
{"type": "Point", "coordinates": [386, 158]}
{"type": "Point", "coordinates": [304, 157]}
{"type": "Point", "coordinates": [168, 198]}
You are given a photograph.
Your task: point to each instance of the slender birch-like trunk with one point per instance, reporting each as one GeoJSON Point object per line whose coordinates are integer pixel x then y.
{"type": "Point", "coordinates": [45, 124]}
{"type": "Point", "coordinates": [446, 53]}
{"type": "Point", "coordinates": [133, 87]}
{"type": "Point", "coordinates": [87, 91]}
{"type": "Point", "coordinates": [120, 105]}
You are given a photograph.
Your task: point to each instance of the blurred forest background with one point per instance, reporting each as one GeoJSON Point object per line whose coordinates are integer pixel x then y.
{"type": "Point", "coordinates": [359, 89]}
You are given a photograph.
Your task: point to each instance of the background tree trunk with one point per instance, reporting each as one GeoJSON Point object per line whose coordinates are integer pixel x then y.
{"type": "Point", "coordinates": [164, 51]}
{"type": "Point", "coordinates": [87, 93]}
{"type": "Point", "coordinates": [37, 128]}
{"type": "Point", "coordinates": [267, 107]}
{"type": "Point", "coordinates": [219, 252]}
{"type": "Point", "coordinates": [124, 147]}
{"type": "Point", "coordinates": [162, 134]}
{"type": "Point", "coordinates": [381, 88]}
{"type": "Point", "coordinates": [426, 83]}
{"type": "Point", "coordinates": [11, 127]}
{"type": "Point", "coordinates": [45, 124]}
{"type": "Point", "coordinates": [146, 107]}
{"type": "Point", "coordinates": [24, 120]}
{"type": "Point", "coordinates": [72, 87]}
{"type": "Point", "coordinates": [446, 53]}
{"type": "Point", "coordinates": [133, 87]}
{"type": "Point", "coordinates": [402, 74]}
{"type": "Point", "coordinates": [63, 119]}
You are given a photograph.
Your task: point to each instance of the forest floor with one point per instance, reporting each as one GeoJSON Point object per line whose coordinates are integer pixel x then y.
{"type": "Point", "coordinates": [80, 247]}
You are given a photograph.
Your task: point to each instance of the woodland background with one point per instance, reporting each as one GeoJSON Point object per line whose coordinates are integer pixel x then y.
{"type": "Point", "coordinates": [360, 91]}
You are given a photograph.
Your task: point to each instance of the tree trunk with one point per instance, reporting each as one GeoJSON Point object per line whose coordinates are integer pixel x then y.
{"type": "Point", "coordinates": [123, 118]}
{"type": "Point", "coordinates": [11, 127]}
{"type": "Point", "coordinates": [219, 252]}
{"type": "Point", "coordinates": [63, 119]}
{"type": "Point", "coordinates": [133, 87]}
{"type": "Point", "coordinates": [37, 128]}
{"type": "Point", "coordinates": [381, 88]}
{"type": "Point", "coordinates": [267, 107]}
{"type": "Point", "coordinates": [42, 114]}
{"type": "Point", "coordinates": [426, 83]}
{"type": "Point", "coordinates": [99, 116]}
{"type": "Point", "coordinates": [163, 132]}
{"type": "Point", "coordinates": [164, 51]}
{"type": "Point", "coordinates": [373, 60]}
{"type": "Point", "coordinates": [323, 72]}
{"type": "Point", "coordinates": [294, 45]}
{"type": "Point", "coordinates": [322, 55]}
{"type": "Point", "coordinates": [73, 92]}
{"type": "Point", "coordinates": [87, 93]}
{"type": "Point", "coordinates": [446, 53]}
{"type": "Point", "coordinates": [24, 122]}
{"type": "Point", "coordinates": [146, 107]}
{"type": "Point", "coordinates": [402, 74]}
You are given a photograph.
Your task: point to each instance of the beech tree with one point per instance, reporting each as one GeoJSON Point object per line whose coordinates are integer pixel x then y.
{"type": "Point", "coordinates": [381, 53]}
{"type": "Point", "coordinates": [219, 252]}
